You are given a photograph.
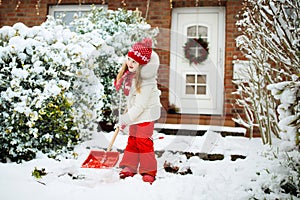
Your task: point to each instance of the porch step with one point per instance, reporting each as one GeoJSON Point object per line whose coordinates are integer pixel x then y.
{"type": "Point", "coordinates": [204, 156]}
{"type": "Point", "coordinates": [198, 130]}
{"type": "Point", "coordinates": [211, 143]}
{"type": "Point", "coordinates": [182, 166]}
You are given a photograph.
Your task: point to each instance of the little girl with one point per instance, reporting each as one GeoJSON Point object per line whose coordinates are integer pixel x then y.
{"type": "Point", "coordinates": [143, 107]}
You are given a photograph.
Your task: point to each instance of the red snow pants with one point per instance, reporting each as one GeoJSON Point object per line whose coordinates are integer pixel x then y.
{"type": "Point", "coordinates": [139, 152]}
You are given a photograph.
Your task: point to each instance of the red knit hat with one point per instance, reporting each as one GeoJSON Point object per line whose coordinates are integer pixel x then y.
{"type": "Point", "coordinates": [141, 51]}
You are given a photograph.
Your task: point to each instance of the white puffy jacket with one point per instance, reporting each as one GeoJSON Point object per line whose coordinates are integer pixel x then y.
{"type": "Point", "coordinates": [144, 106]}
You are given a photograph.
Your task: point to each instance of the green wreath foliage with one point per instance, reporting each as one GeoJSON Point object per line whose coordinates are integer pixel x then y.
{"type": "Point", "coordinates": [202, 54]}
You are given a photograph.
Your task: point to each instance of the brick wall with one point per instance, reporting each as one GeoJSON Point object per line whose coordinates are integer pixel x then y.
{"type": "Point", "coordinates": [159, 15]}
{"type": "Point", "coordinates": [231, 53]}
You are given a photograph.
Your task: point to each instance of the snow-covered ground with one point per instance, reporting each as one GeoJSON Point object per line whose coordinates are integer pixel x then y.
{"type": "Point", "coordinates": [220, 179]}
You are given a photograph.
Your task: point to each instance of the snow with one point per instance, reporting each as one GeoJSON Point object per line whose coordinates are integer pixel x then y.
{"type": "Point", "coordinates": [219, 179]}
{"type": "Point", "coordinates": [262, 168]}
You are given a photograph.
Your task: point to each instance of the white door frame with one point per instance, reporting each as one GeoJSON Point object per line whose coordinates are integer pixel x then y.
{"type": "Point", "coordinates": [173, 81]}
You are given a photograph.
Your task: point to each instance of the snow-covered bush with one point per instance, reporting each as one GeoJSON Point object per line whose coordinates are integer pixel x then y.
{"type": "Point", "coordinates": [270, 95]}
{"type": "Point", "coordinates": [49, 93]}
{"type": "Point", "coordinates": [281, 180]}
{"type": "Point", "coordinates": [284, 175]}
{"type": "Point", "coordinates": [288, 93]}
{"type": "Point", "coordinates": [270, 39]}
{"type": "Point", "coordinates": [120, 29]}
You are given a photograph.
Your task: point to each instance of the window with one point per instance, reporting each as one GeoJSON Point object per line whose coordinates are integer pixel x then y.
{"type": "Point", "coordinates": [69, 11]}
{"type": "Point", "coordinates": [196, 84]}
{"type": "Point", "coordinates": [194, 32]}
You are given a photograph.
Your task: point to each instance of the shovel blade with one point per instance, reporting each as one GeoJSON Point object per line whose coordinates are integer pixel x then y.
{"type": "Point", "coordinates": [101, 159]}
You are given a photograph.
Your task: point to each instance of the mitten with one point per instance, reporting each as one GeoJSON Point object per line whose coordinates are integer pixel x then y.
{"type": "Point", "coordinates": [122, 124]}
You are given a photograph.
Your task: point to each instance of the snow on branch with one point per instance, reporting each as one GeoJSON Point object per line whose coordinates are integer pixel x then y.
{"type": "Point", "coordinates": [270, 40]}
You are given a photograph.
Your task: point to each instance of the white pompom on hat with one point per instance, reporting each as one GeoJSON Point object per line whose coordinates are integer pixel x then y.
{"type": "Point", "coordinates": [141, 51]}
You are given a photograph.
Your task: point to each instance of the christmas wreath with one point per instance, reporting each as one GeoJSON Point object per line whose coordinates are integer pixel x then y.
{"type": "Point", "coordinates": [189, 50]}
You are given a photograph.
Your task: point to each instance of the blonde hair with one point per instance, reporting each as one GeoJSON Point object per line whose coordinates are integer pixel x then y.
{"type": "Point", "coordinates": [138, 78]}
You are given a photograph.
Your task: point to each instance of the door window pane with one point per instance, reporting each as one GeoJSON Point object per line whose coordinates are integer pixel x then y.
{"type": "Point", "coordinates": [201, 90]}
{"type": "Point", "coordinates": [190, 79]}
{"type": "Point", "coordinates": [201, 79]}
{"type": "Point", "coordinates": [190, 89]}
{"type": "Point", "coordinates": [192, 31]}
{"type": "Point", "coordinates": [202, 30]}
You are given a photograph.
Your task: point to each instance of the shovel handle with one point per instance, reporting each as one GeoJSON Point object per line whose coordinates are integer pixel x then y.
{"type": "Point", "coordinates": [113, 138]}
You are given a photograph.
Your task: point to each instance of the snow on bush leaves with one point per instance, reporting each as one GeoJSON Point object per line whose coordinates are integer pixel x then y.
{"type": "Point", "coordinates": [120, 29]}
{"type": "Point", "coordinates": [44, 73]}
{"type": "Point", "coordinates": [269, 39]}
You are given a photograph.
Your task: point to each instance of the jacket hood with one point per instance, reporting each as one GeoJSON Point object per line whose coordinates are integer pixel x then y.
{"type": "Point", "coordinates": [149, 70]}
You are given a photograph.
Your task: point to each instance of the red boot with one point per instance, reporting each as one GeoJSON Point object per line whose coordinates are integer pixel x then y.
{"type": "Point", "coordinates": [148, 178]}
{"type": "Point", "coordinates": [126, 172]}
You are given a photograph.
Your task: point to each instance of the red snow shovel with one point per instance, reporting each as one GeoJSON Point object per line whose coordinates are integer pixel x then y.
{"type": "Point", "coordinates": [102, 159]}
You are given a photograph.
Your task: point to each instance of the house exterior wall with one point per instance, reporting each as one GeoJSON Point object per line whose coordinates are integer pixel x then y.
{"type": "Point", "coordinates": [159, 15]}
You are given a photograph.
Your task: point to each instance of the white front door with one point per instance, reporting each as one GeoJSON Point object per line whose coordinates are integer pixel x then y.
{"type": "Point", "coordinates": [197, 88]}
